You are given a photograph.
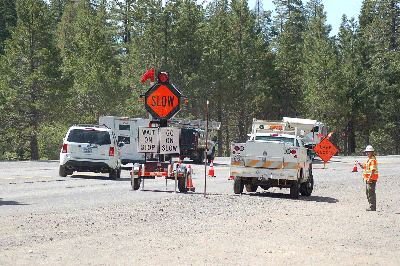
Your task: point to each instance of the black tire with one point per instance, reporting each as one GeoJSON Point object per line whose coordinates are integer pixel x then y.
{"type": "Point", "coordinates": [294, 190]}
{"type": "Point", "coordinates": [199, 158]}
{"type": "Point", "coordinates": [211, 156]}
{"type": "Point", "coordinates": [113, 174]}
{"type": "Point", "coordinates": [238, 185]}
{"type": "Point", "coordinates": [265, 187]}
{"type": "Point", "coordinates": [135, 183]}
{"type": "Point", "coordinates": [62, 172]}
{"type": "Point", "coordinates": [118, 176]}
{"type": "Point", "coordinates": [182, 182]}
{"type": "Point", "coordinates": [306, 188]}
{"type": "Point", "coordinates": [251, 188]}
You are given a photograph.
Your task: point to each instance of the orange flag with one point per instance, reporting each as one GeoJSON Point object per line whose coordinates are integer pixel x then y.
{"type": "Point", "coordinates": [149, 75]}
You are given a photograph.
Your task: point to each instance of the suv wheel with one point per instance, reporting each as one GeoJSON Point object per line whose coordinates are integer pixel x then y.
{"type": "Point", "coordinates": [63, 171]}
{"type": "Point", "coordinates": [115, 173]}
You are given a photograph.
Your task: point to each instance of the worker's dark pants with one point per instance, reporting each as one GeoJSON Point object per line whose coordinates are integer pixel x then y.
{"type": "Point", "coordinates": [371, 196]}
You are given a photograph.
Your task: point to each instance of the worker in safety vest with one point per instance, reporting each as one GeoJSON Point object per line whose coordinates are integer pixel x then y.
{"type": "Point", "coordinates": [370, 177]}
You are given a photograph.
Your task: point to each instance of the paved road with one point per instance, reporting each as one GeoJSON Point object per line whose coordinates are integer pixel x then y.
{"type": "Point", "coordinates": [36, 187]}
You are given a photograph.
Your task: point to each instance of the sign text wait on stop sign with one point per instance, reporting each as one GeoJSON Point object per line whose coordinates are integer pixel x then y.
{"type": "Point", "coordinates": [162, 101]}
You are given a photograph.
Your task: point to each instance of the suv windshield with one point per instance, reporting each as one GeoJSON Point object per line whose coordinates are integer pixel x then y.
{"type": "Point", "coordinates": [280, 139]}
{"type": "Point", "coordinates": [89, 136]}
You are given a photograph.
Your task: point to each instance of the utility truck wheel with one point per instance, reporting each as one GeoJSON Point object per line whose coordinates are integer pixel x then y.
{"type": "Point", "coordinates": [238, 185]}
{"type": "Point", "coordinates": [306, 188]}
{"type": "Point", "coordinates": [63, 171]}
{"type": "Point", "coordinates": [198, 158]}
{"type": "Point", "coordinates": [294, 190]}
{"type": "Point", "coordinates": [251, 188]}
{"type": "Point", "coordinates": [211, 157]}
{"type": "Point", "coordinates": [135, 183]}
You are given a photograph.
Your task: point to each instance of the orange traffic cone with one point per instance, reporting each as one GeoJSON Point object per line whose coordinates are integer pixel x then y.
{"type": "Point", "coordinates": [190, 186]}
{"type": "Point", "coordinates": [355, 167]}
{"type": "Point", "coordinates": [231, 178]}
{"type": "Point", "coordinates": [179, 160]}
{"type": "Point", "coordinates": [211, 171]}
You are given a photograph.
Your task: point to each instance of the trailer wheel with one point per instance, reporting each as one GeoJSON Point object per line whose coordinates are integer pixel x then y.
{"type": "Point", "coordinates": [294, 190]}
{"type": "Point", "coordinates": [251, 188]}
{"type": "Point", "coordinates": [238, 185]}
{"type": "Point", "coordinates": [182, 182]}
{"type": "Point", "coordinates": [306, 188]}
{"type": "Point", "coordinates": [135, 183]}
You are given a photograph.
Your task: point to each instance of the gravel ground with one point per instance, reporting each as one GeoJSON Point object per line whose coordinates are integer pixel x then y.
{"type": "Point", "coordinates": [264, 228]}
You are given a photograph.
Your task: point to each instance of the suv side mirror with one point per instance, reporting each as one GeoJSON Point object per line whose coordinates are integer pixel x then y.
{"type": "Point", "coordinates": [121, 144]}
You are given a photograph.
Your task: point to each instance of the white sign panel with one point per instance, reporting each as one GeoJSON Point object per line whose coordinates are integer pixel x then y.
{"type": "Point", "coordinates": [148, 139]}
{"type": "Point", "coordinates": [169, 140]}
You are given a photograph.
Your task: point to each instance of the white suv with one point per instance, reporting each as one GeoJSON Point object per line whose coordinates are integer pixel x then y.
{"type": "Point", "coordinates": [90, 148]}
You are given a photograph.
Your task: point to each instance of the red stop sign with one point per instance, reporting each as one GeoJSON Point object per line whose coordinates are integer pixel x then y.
{"type": "Point", "coordinates": [162, 101]}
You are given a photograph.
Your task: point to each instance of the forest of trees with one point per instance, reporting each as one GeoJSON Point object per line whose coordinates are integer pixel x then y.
{"type": "Point", "coordinates": [64, 62]}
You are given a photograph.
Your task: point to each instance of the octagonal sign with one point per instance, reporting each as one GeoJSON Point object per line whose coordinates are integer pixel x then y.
{"type": "Point", "coordinates": [162, 101]}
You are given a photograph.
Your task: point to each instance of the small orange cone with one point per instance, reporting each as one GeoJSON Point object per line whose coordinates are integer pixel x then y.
{"type": "Point", "coordinates": [190, 186]}
{"type": "Point", "coordinates": [355, 167]}
{"type": "Point", "coordinates": [179, 161]}
{"type": "Point", "coordinates": [211, 171]}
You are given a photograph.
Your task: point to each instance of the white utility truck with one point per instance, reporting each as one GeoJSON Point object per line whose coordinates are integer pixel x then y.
{"type": "Point", "coordinates": [274, 156]}
{"type": "Point", "coordinates": [126, 130]}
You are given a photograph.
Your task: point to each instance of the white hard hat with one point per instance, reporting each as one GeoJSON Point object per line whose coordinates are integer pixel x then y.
{"type": "Point", "coordinates": [369, 148]}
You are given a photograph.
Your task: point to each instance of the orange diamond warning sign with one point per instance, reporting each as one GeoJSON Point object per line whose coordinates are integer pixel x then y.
{"type": "Point", "coordinates": [325, 150]}
{"type": "Point", "coordinates": [162, 101]}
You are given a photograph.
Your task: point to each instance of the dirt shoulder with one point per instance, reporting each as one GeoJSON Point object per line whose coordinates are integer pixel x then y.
{"type": "Point", "coordinates": [329, 228]}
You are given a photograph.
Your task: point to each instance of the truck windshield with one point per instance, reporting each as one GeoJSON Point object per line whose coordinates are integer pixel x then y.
{"type": "Point", "coordinates": [89, 136]}
{"type": "Point", "coordinates": [278, 139]}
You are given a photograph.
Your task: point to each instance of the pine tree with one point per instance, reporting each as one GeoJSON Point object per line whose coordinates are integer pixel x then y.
{"type": "Point", "coordinates": [288, 45]}
{"type": "Point", "coordinates": [91, 59]}
{"type": "Point", "coordinates": [379, 41]}
{"type": "Point", "coordinates": [31, 79]}
{"type": "Point", "coordinates": [8, 18]}
{"type": "Point", "coordinates": [348, 85]}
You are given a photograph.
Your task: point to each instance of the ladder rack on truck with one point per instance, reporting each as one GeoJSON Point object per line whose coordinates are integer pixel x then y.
{"type": "Point", "coordinates": [197, 123]}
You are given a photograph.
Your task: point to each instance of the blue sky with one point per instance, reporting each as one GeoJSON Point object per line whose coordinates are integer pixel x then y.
{"type": "Point", "coordinates": [334, 10]}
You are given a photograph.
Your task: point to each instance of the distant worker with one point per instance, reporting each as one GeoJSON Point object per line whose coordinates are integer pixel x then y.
{"type": "Point", "coordinates": [370, 177]}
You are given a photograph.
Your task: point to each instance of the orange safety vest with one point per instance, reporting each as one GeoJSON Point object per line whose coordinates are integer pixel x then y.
{"type": "Point", "coordinates": [371, 164]}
